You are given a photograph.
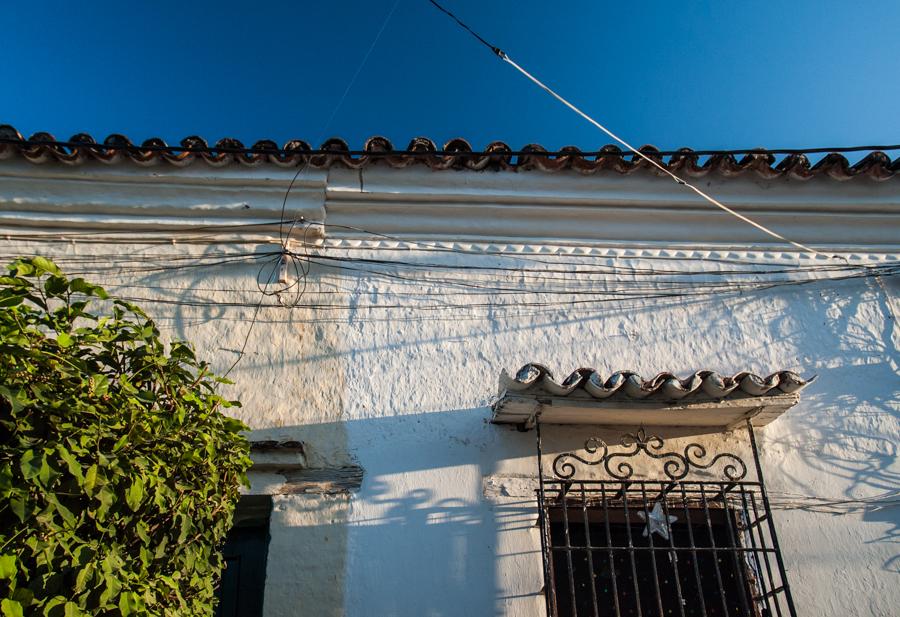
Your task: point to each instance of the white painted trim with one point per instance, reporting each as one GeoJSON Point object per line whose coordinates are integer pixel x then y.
{"type": "Point", "coordinates": [176, 202]}
{"type": "Point", "coordinates": [703, 414]}
{"type": "Point", "coordinates": [567, 208]}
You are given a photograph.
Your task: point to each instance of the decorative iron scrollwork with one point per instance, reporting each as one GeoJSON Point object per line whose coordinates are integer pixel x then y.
{"type": "Point", "coordinates": [676, 466]}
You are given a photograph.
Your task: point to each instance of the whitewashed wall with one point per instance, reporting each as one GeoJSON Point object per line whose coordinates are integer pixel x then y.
{"type": "Point", "coordinates": [405, 394]}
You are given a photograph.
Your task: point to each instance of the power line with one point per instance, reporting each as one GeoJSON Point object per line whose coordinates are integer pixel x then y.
{"type": "Point", "coordinates": [300, 264]}
{"type": "Point", "coordinates": [361, 65]}
{"type": "Point", "coordinates": [576, 297]}
{"type": "Point", "coordinates": [503, 56]}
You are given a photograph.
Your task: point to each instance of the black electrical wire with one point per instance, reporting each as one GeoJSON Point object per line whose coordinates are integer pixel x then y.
{"type": "Point", "coordinates": [284, 152]}
{"type": "Point", "coordinates": [603, 270]}
{"type": "Point", "coordinates": [642, 284]}
{"type": "Point", "coordinates": [493, 48]}
{"type": "Point", "coordinates": [501, 54]}
{"type": "Point", "coordinates": [589, 299]}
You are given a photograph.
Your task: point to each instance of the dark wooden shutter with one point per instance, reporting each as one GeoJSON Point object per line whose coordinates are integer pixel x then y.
{"type": "Point", "coordinates": [243, 582]}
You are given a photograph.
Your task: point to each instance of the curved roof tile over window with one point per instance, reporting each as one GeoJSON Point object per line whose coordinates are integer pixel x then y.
{"type": "Point", "coordinates": [665, 386]}
{"type": "Point", "coordinates": [455, 154]}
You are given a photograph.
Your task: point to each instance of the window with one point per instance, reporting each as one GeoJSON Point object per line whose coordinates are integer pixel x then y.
{"type": "Point", "coordinates": [241, 588]}
{"type": "Point", "coordinates": [622, 546]}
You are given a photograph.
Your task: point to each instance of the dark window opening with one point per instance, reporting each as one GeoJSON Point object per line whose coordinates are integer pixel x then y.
{"type": "Point", "coordinates": [240, 591]}
{"type": "Point", "coordinates": [638, 574]}
{"type": "Point", "coordinates": [660, 549]}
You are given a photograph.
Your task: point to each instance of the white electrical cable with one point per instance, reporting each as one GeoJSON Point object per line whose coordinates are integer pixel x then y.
{"type": "Point", "coordinates": [676, 178]}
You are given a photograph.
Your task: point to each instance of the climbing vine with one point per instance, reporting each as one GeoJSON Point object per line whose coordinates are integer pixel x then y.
{"type": "Point", "coordinates": [119, 472]}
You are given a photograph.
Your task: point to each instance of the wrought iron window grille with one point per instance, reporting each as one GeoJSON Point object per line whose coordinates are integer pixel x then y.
{"type": "Point", "coordinates": [694, 538]}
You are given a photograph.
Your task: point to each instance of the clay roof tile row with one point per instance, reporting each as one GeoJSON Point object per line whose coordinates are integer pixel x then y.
{"type": "Point", "coordinates": [665, 386]}
{"type": "Point", "coordinates": [455, 154]}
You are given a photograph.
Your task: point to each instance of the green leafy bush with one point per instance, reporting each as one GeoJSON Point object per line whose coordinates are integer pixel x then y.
{"type": "Point", "coordinates": [118, 472]}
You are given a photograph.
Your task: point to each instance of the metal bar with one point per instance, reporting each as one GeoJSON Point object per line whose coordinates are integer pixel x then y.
{"type": "Point", "coordinates": [772, 593]}
{"type": "Point", "coordinates": [756, 523]}
{"type": "Point", "coordinates": [622, 490]}
{"type": "Point", "coordinates": [589, 553]}
{"type": "Point", "coordinates": [765, 499]}
{"type": "Point", "coordinates": [673, 556]}
{"type": "Point", "coordinates": [664, 549]}
{"type": "Point", "coordinates": [612, 565]}
{"type": "Point", "coordinates": [637, 592]}
{"type": "Point", "coordinates": [628, 482]}
{"type": "Point", "coordinates": [712, 542]}
{"type": "Point", "coordinates": [765, 552]}
{"type": "Point", "coordinates": [738, 563]}
{"type": "Point", "coordinates": [565, 512]}
{"type": "Point", "coordinates": [722, 494]}
{"type": "Point", "coordinates": [665, 491]}
{"type": "Point", "coordinates": [549, 587]}
{"type": "Point", "coordinates": [656, 587]}
{"type": "Point", "coordinates": [743, 539]}
{"type": "Point", "coordinates": [694, 555]}
{"type": "Point", "coordinates": [749, 530]}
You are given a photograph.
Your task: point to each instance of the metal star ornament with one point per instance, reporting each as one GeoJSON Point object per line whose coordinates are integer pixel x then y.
{"type": "Point", "coordinates": [657, 522]}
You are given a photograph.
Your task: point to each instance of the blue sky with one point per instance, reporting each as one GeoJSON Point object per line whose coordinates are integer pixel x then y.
{"type": "Point", "coordinates": [704, 74]}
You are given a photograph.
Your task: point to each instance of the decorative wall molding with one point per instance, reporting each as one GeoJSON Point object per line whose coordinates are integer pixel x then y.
{"type": "Point", "coordinates": [175, 202]}
{"type": "Point", "coordinates": [564, 208]}
{"type": "Point", "coordinates": [595, 251]}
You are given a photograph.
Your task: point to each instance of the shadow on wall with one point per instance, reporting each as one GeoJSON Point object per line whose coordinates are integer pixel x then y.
{"type": "Point", "coordinates": [421, 540]}
{"type": "Point", "coordinates": [417, 551]}
{"type": "Point", "coordinates": [848, 426]}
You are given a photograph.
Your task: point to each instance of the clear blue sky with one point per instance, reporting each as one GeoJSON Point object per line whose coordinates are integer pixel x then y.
{"type": "Point", "coordinates": [705, 74]}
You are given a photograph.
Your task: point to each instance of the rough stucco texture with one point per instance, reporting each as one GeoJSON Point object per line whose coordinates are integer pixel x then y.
{"type": "Point", "coordinates": [405, 393]}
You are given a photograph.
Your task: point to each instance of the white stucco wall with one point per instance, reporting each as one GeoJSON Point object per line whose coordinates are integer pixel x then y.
{"type": "Point", "coordinates": [405, 394]}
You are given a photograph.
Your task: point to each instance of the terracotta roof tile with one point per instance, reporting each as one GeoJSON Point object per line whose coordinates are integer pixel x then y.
{"type": "Point", "coordinates": [455, 154]}
{"type": "Point", "coordinates": [665, 386]}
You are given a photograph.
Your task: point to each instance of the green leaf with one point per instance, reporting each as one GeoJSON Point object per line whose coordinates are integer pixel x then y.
{"type": "Point", "coordinates": [52, 604]}
{"type": "Point", "coordinates": [81, 286]}
{"type": "Point", "coordinates": [56, 286]}
{"type": "Point", "coordinates": [9, 299]}
{"type": "Point", "coordinates": [17, 504]}
{"type": "Point", "coordinates": [71, 463]}
{"type": "Point", "coordinates": [128, 603]}
{"type": "Point", "coordinates": [12, 398]}
{"type": "Point", "coordinates": [90, 479]}
{"type": "Point", "coordinates": [161, 548]}
{"type": "Point", "coordinates": [6, 479]}
{"type": "Point", "coordinates": [8, 567]}
{"type": "Point", "coordinates": [45, 265]}
{"type": "Point", "coordinates": [22, 268]}
{"type": "Point", "coordinates": [11, 608]}
{"type": "Point", "coordinates": [23, 596]}
{"type": "Point", "coordinates": [46, 474]}
{"type": "Point", "coordinates": [135, 494]}
{"type": "Point", "coordinates": [72, 610]}
{"type": "Point", "coordinates": [100, 384]}
{"type": "Point", "coordinates": [106, 498]}
{"type": "Point", "coordinates": [64, 340]}
{"type": "Point", "coordinates": [112, 589]}
{"type": "Point", "coordinates": [84, 578]}
{"type": "Point", "coordinates": [30, 464]}
{"type": "Point", "coordinates": [63, 511]}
